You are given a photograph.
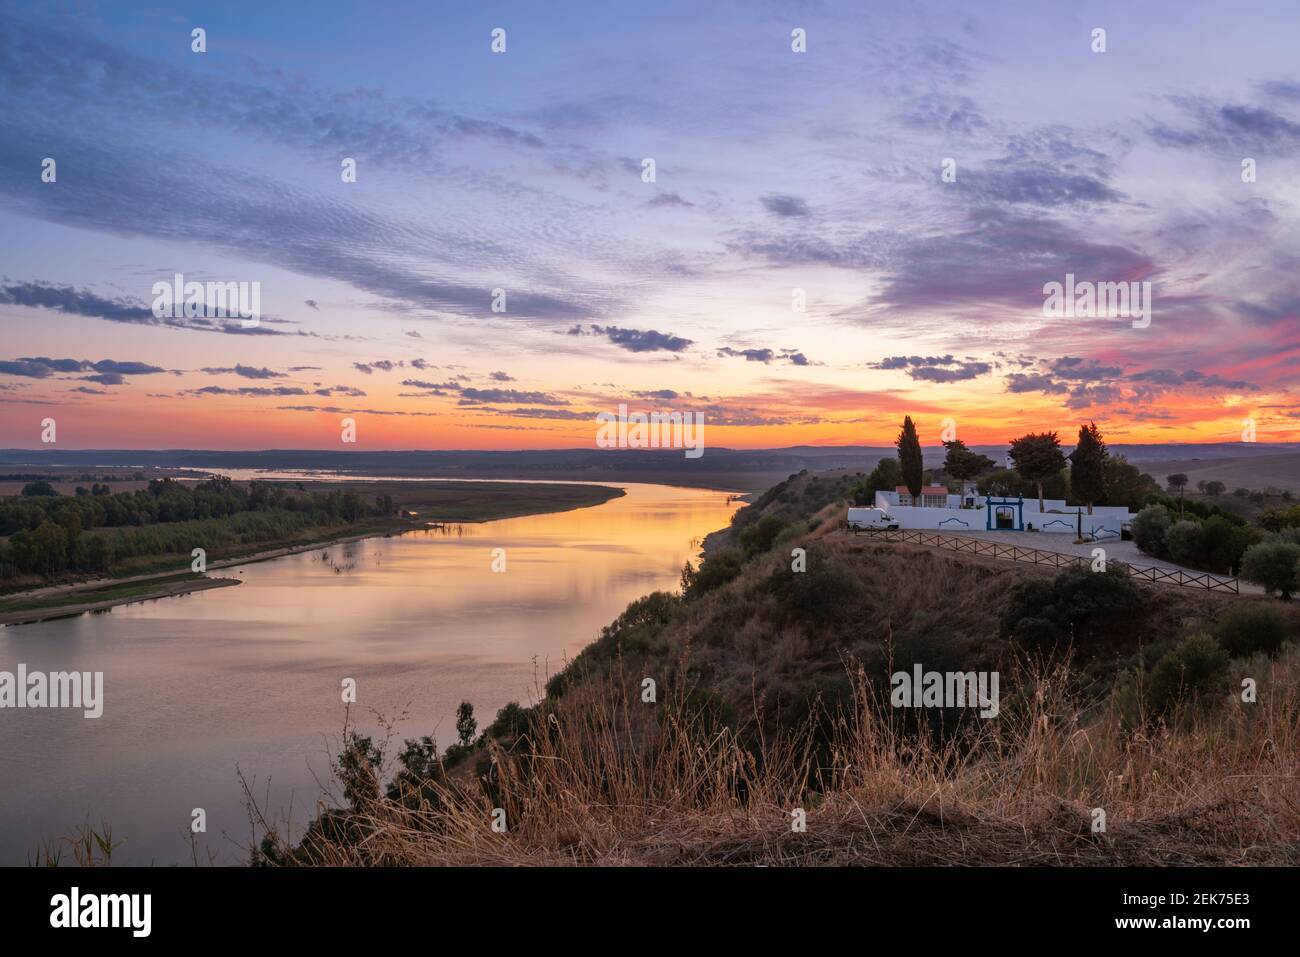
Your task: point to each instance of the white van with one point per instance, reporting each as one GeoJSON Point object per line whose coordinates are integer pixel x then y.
{"type": "Point", "coordinates": [871, 518]}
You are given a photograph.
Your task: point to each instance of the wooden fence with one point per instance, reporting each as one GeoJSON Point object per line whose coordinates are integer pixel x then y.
{"type": "Point", "coordinates": [1037, 556]}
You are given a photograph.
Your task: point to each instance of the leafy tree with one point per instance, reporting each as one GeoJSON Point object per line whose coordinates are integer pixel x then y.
{"type": "Point", "coordinates": [1037, 457]}
{"type": "Point", "coordinates": [1223, 543]}
{"type": "Point", "coordinates": [1000, 482]}
{"type": "Point", "coordinates": [885, 477]}
{"type": "Point", "coordinates": [38, 488]}
{"type": "Point", "coordinates": [1276, 519]}
{"type": "Point", "coordinates": [1088, 466]}
{"type": "Point", "coordinates": [909, 457]}
{"type": "Point", "coordinates": [1149, 529]}
{"type": "Point", "coordinates": [1184, 542]}
{"type": "Point", "coordinates": [465, 723]}
{"type": "Point", "coordinates": [759, 537]}
{"type": "Point", "coordinates": [1126, 484]}
{"type": "Point", "coordinates": [963, 464]}
{"type": "Point", "coordinates": [1215, 488]}
{"type": "Point", "coordinates": [1177, 482]}
{"type": "Point", "coordinates": [1272, 565]}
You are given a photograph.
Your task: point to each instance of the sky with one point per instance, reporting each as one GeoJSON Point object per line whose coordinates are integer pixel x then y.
{"type": "Point", "coordinates": [832, 238]}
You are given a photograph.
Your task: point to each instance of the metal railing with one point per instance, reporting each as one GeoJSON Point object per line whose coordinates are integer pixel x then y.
{"type": "Point", "coordinates": [1038, 556]}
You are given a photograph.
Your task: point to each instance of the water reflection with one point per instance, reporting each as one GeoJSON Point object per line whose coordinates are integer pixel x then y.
{"type": "Point", "coordinates": [250, 676]}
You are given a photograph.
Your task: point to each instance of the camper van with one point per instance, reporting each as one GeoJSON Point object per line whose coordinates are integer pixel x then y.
{"type": "Point", "coordinates": [870, 518]}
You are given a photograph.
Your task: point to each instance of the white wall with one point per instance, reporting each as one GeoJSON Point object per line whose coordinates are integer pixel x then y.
{"type": "Point", "coordinates": [945, 519]}
{"type": "Point", "coordinates": [1103, 522]}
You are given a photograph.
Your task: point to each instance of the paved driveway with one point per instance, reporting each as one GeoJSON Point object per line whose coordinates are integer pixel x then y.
{"type": "Point", "coordinates": [1115, 550]}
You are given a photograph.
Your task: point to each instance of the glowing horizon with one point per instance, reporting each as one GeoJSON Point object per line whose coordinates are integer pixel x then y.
{"type": "Point", "coordinates": [800, 271]}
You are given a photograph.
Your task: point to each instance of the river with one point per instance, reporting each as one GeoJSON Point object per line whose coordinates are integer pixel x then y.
{"type": "Point", "coordinates": [201, 688]}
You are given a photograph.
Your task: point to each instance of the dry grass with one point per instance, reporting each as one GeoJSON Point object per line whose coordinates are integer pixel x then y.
{"type": "Point", "coordinates": [602, 778]}
{"type": "Point", "coordinates": [608, 780]}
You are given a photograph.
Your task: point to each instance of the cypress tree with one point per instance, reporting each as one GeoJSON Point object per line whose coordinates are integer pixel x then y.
{"type": "Point", "coordinates": [1088, 466]}
{"type": "Point", "coordinates": [909, 457]}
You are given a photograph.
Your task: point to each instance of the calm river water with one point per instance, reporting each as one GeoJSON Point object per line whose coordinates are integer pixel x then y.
{"type": "Point", "coordinates": [247, 679]}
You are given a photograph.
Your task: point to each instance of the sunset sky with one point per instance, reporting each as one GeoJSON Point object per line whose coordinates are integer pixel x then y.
{"type": "Point", "coordinates": [522, 170]}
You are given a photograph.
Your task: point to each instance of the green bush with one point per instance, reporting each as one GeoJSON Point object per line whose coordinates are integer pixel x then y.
{"type": "Point", "coordinates": [1149, 529]}
{"type": "Point", "coordinates": [1035, 632]}
{"type": "Point", "coordinates": [1272, 565]}
{"type": "Point", "coordinates": [1078, 602]}
{"type": "Point", "coordinates": [885, 477]}
{"type": "Point", "coordinates": [758, 538]}
{"type": "Point", "coordinates": [1184, 543]}
{"type": "Point", "coordinates": [824, 594]}
{"type": "Point", "coordinates": [1197, 667]}
{"type": "Point", "coordinates": [1249, 627]}
{"type": "Point", "coordinates": [1276, 519]}
{"type": "Point", "coordinates": [714, 572]}
{"type": "Point", "coordinates": [1223, 544]}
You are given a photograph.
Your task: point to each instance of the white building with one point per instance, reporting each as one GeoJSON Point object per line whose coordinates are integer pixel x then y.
{"type": "Point", "coordinates": [941, 510]}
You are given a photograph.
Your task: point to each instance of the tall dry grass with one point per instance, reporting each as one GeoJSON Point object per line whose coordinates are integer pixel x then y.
{"type": "Point", "coordinates": [607, 779]}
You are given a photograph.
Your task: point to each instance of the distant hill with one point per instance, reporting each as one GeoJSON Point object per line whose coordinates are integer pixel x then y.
{"type": "Point", "coordinates": [723, 468]}
{"type": "Point", "coordinates": [1255, 472]}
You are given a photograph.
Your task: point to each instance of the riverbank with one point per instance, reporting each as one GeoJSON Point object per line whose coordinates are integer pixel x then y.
{"type": "Point", "coordinates": [250, 677]}
{"type": "Point", "coordinates": [103, 599]}
{"type": "Point", "coordinates": [420, 505]}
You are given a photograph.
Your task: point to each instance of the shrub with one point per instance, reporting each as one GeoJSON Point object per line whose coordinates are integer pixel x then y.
{"type": "Point", "coordinates": [1078, 601]}
{"type": "Point", "coordinates": [1184, 543]}
{"type": "Point", "coordinates": [655, 609]}
{"type": "Point", "coordinates": [758, 538]}
{"type": "Point", "coordinates": [1223, 544]}
{"type": "Point", "coordinates": [1251, 627]}
{"type": "Point", "coordinates": [1149, 529]}
{"type": "Point", "coordinates": [715, 571]}
{"type": "Point", "coordinates": [1273, 565]}
{"type": "Point", "coordinates": [823, 594]}
{"type": "Point", "coordinates": [1198, 666]}
{"type": "Point", "coordinates": [1036, 632]}
{"type": "Point", "coordinates": [1276, 519]}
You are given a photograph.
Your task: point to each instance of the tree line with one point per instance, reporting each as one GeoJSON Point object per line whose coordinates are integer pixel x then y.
{"type": "Point", "coordinates": [1089, 475]}
{"type": "Point", "coordinates": [95, 530]}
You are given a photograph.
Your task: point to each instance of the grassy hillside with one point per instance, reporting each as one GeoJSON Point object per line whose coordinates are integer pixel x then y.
{"type": "Point", "coordinates": [771, 694]}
